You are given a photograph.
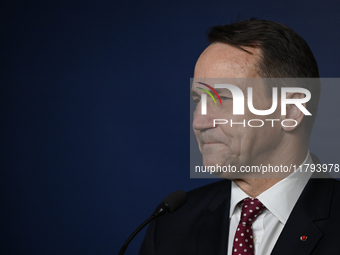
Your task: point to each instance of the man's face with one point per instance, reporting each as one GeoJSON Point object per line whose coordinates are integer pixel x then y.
{"type": "Point", "coordinates": [236, 145]}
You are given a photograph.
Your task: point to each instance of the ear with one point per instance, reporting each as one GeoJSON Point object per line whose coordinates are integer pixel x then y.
{"type": "Point", "coordinates": [294, 115]}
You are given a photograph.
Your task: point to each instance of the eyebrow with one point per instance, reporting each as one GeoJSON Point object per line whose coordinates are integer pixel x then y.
{"type": "Point", "coordinates": [195, 94]}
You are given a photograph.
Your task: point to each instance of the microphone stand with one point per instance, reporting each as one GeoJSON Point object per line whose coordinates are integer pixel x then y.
{"type": "Point", "coordinates": [160, 210]}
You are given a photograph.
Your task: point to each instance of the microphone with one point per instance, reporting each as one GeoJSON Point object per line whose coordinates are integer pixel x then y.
{"type": "Point", "coordinates": [171, 203]}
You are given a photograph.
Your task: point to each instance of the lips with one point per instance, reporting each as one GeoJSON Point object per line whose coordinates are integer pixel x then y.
{"type": "Point", "coordinates": [208, 140]}
{"type": "Point", "coordinates": [210, 137]}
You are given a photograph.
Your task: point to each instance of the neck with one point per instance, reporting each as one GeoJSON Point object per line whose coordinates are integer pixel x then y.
{"type": "Point", "coordinates": [255, 186]}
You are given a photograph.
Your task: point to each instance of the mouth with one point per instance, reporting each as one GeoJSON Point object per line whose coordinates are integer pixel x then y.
{"type": "Point", "coordinates": [208, 144]}
{"type": "Point", "coordinates": [208, 138]}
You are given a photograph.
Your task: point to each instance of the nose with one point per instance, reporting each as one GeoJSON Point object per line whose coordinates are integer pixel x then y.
{"type": "Point", "coordinates": [201, 121]}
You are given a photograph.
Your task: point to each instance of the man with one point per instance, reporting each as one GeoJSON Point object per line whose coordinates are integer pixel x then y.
{"type": "Point", "coordinates": [290, 213]}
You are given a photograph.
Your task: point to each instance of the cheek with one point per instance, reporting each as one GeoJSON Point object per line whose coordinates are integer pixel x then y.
{"type": "Point", "coordinates": [196, 133]}
{"type": "Point", "coordinates": [262, 140]}
{"type": "Point", "coordinates": [234, 136]}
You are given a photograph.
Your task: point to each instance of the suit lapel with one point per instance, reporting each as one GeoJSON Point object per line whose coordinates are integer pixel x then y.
{"type": "Point", "coordinates": [214, 224]}
{"type": "Point", "coordinates": [313, 205]}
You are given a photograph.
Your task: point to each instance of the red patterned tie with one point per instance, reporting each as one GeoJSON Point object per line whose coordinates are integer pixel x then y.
{"type": "Point", "coordinates": [243, 241]}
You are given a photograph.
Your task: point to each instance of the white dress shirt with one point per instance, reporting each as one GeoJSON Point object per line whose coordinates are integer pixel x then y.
{"type": "Point", "coordinates": [279, 201]}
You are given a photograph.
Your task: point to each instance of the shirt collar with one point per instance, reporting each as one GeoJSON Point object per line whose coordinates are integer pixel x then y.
{"type": "Point", "coordinates": [281, 197]}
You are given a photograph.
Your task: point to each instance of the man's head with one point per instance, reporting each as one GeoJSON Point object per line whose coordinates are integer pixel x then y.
{"type": "Point", "coordinates": [251, 49]}
{"type": "Point", "coordinates": [282, 53]}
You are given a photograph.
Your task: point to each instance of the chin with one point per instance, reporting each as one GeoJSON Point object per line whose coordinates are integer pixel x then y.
{"type": "Point", "coordinates": [227, 175]}
{"type": "Point", "coordinates": [213, 160]}
{"type": "Point", "coordinates": [220, 160]}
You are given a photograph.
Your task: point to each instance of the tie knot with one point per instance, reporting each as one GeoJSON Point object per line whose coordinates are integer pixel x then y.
{"type": "Point", "coordinates": [251, 208]}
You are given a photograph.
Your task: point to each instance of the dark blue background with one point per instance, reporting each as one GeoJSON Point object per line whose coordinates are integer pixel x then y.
{"type": "Point", "coordinates": [95, 111]}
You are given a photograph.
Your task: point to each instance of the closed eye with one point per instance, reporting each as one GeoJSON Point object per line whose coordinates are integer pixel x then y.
{"type": "Point", "coordinates": [225, 98]}
{"type": "Point", "coordinates": [197, 100]}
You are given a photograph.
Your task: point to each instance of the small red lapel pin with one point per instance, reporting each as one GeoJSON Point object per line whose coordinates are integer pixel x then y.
{"type": "Point", "coordinates": [303, 238]}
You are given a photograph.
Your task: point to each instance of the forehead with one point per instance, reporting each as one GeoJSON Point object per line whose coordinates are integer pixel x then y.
{"type": "Point", "coordinates": [220, 60]}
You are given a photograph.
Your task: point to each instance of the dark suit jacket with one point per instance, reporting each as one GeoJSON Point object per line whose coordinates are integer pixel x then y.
{"type": "Point", "coordinates": [201, 226]}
